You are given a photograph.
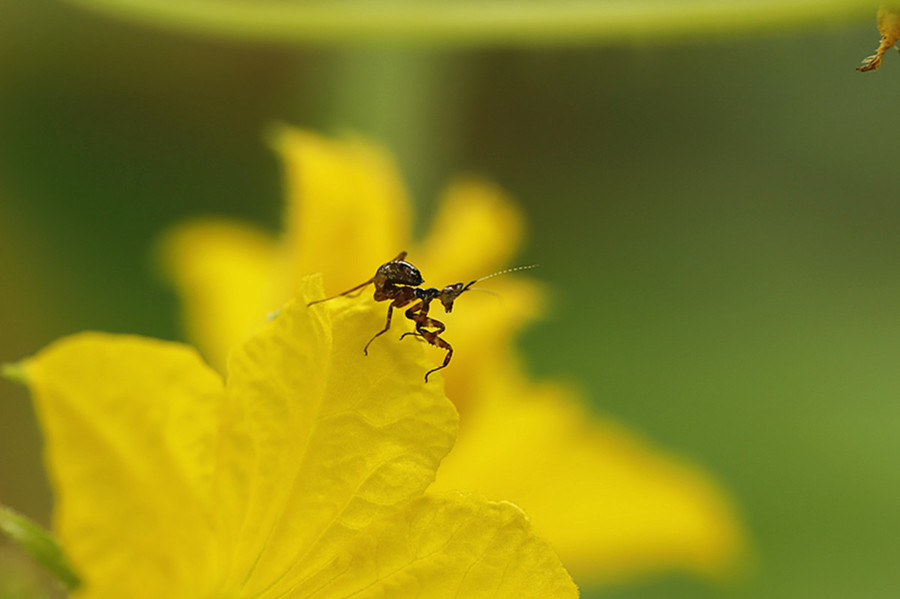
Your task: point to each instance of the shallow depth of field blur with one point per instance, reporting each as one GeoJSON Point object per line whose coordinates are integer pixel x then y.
{"type": "Point", "coordinates": [718, 222]}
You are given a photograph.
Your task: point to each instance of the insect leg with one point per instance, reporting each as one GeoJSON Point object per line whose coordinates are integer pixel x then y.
{"type": "Point", "coordinates": [387, 325]}
{"type": "Point", "coordinates": [348, 292]}
{"type": "Point", "coordinates": [433, 339]}
{"type": "Point", "coordinates": [423, 323]}
{"type": "Point", "coordinates": [417, 311]}
{"type": "Point", "coordinates": [419, 314]}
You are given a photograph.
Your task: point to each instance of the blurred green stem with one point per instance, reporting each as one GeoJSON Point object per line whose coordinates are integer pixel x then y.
{"type": "Point", "coordinates": [480, 22]}
{"type": "Point", "coordinates": [39, 544]}
{"type": "Point", "coordinates": [405, 99]}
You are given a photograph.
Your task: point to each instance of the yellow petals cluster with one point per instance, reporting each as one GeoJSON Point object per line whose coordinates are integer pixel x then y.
{"type": "Point", "coordinates": [611, 504]}
{"type": "Point", "coordinates": [300, 475]}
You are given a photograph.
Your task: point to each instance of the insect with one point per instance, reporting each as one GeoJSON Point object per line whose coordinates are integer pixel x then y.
{"type": "Point", "coordinates": [400, 282]}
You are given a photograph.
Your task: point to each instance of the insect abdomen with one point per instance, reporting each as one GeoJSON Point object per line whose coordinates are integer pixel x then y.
{"type": "Point", "coordinates": [398, 272]}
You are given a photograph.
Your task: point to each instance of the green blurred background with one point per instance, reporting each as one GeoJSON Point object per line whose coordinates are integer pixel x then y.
{"type": "Point", "coordinates": [718, 221]}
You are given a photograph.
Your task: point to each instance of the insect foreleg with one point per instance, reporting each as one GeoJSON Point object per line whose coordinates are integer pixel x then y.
{"type": "Point", "coordinates": [419, 315]}
{"type": "Point", "coordinates": [428, 329]}
{"type": "Point", "coordinates": [433, 339]}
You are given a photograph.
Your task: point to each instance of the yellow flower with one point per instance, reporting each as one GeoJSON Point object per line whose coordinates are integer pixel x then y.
{"type": "Point", "coordinates": [611, 504]}
{"type": "Point", "coordinates": [301, 475]}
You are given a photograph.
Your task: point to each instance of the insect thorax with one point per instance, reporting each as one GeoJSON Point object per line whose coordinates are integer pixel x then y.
{"type": "Point", "coordinates": [427, 294]}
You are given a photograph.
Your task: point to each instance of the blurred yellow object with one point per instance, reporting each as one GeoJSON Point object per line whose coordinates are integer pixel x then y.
{"type": "Point", "coordinates": [889, 27]}
{"type": "Point", "coordinates": [301, 475]}
{"type": "Point", "coordinates": [612, 505]}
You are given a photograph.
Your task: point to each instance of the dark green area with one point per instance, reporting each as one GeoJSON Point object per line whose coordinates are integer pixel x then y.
{"type": "Point", "coordinates": [718, 223]}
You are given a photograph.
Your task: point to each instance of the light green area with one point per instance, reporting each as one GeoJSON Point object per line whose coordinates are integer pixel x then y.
{"type": "Point", "coordinates": [479, 22]}
{"type": "Point", "coordinates": [39, 544]}
{"type": "Point", "coordinates": [13, 371]}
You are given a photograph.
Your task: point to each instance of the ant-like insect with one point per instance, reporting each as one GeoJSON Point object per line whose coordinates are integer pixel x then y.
{"type": "Point", "coordinates": [400, 282]}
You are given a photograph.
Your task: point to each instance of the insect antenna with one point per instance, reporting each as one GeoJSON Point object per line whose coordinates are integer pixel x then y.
{"type": "Point", "coordinates": [483, 290]}
{"type": "Point", "coordinates": [500, 272]}
{"type": "Point", "coordinates": [496, 296]}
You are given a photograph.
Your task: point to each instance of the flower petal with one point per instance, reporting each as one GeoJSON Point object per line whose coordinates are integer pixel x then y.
{"type": "Point", "coordinates": [613, 505]}
{"type": "Point", "coordinates": [443, 547]}
{"type": "Point", "coordinates": [130, 427]}
{"type": "Point", "coordinates": [476, 232]}
{"type": "Point", "coordinates": [327, 439]}
{"type": "Point", "coordinates": [226, 274]}
{"type": "Point", "coordinates": [347, 208]}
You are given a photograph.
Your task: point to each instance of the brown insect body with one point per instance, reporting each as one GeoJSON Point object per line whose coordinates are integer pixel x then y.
{"type": "Point", "coordinates": [396, 272]}
{"type": "Point", "coordinates": [400, 283]}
